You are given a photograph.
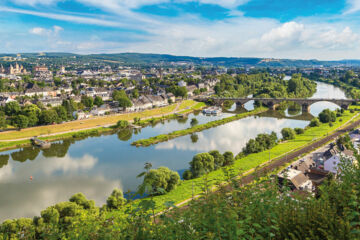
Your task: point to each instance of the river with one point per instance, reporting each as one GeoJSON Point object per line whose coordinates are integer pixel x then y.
{"type": "Point", "coordinates": [97, 165]}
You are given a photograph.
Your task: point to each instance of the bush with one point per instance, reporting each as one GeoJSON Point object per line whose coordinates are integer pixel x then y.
{"type": "Point", "coordinates": [327, 116]}
{"type": "Point", "coordinates": [187, 175]}
{"type": "Point", "coordinates": [314, 122]}
{"type": "Point", "coordinates": [201, 163]}
{"type": "Point", "coordinates": [331, 124]}
{"type": "Point", "coordinates": [228, 158]}
{"type": "Point", "coordinates": [288, 133]}
{"type": "Point", "coordinates": [299, 130]}
{"type": "Point", "coordinates": [159, 181]}
{"type": "Point", "coordinates": [121, 124]}
{"type": "Point", "coordinates": [218, 159]}
{"type": "Point", "coordinates": [116, 200]}
{"type": "Point", "coordinates": [260, 143]}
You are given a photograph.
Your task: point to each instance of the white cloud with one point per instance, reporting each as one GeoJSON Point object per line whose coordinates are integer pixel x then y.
{"type": "Point", "coordinates": [353, 6]}
{"type": "Point", "coordinates": [53, 32]}
{"type": "Point", "coordinates": [64, 17]}
{"type": "Point", "coordinates": [35, 2]}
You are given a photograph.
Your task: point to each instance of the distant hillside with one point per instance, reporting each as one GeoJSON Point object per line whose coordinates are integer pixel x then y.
{"type": "Point", "coordinates": [144, 59]}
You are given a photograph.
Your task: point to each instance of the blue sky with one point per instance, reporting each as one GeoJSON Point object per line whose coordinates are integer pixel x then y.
{"type": "Point", "coordinates": [307, 29]}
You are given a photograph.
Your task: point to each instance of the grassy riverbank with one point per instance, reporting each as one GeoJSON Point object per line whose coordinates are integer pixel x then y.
{"type": "Point", "coordinates": [88, 126]}
{"type": "Point", "coordinates": [93, 122]}
{"type": "Point", "coordinates": [189, 188]}
{"type": "Point", "coordinates": [197, 128]}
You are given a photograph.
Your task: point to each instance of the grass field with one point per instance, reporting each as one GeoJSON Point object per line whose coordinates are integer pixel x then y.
{"type": "Point", "coordinates": [188, 188]}
{"type": "Point", "coordinates": [92, 123]}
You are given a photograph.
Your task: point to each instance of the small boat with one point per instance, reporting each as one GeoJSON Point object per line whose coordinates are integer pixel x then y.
{"type": "Point", "coordinates": [40, 143]}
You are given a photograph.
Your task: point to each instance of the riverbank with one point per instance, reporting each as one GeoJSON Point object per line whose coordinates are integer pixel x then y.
{"type": "Point", "coordinates": [244, 166]}
{"type": "Point", "coordinates": [16, 139]}
{"type": "Point", "coordinates": [197, 128]}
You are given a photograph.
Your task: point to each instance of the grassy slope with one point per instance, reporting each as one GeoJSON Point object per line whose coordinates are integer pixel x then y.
{"type": "Point", "coordinates": [185, 189]}
{"type": "Point", "coordinates": [197, 128]}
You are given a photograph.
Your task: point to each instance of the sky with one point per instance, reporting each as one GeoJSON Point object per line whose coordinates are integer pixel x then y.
{"type": "Point", "coordinates": [293, 29]}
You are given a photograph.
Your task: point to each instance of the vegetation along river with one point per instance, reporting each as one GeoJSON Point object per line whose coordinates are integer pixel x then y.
{"type": "Point", "coordinates": [97, 165]}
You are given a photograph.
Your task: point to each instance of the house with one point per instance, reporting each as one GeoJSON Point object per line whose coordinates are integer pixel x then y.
{"type": "Point", "coordinates": [295, 179]}
{"type": "Point", "coordinates": [182, 83]}
{"type": "Point", "coordinates": [140, 104]}
{"type": "Point", "coordinates": [190, 90]}
{"type": "Point", "coordinates": [53, 102]}
{"type": "Point", "coordinates": [157, 101]}
{"type": "Point", "coordinates": [100, 111]}
{"type": "Point", "coordinates": [171, 97]}
{"type": "Point", "coordinates": [79, 115]}
{"type": "Point", "coordinates": [331, 164]}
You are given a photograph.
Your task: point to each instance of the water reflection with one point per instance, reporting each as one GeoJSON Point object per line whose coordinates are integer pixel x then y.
{"type": "Point", "coordinates": [96, 165]}
{"type": "Point", "coordinates": [232, 136]}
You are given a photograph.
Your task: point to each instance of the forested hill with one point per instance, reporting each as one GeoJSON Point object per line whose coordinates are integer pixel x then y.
{"type": "Point", "coordinates": [142, 58]}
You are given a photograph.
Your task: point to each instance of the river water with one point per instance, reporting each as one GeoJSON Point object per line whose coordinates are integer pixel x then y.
{"type": "Point", "coordinates": [97, 165]}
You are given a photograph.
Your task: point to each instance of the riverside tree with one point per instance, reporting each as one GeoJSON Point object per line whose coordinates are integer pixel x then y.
{"type": "Point", "coordinates": [288, 133]}
{"type": "Point", "coordinates": [158, 181]}
{"type": "Point", "coordinates": [201, 164]}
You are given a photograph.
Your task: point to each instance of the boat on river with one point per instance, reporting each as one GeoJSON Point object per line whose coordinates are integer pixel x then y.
{"type": "Point", "coordinates": [40, 143]}
{"type": "Point", "coordinates": [212, 111]}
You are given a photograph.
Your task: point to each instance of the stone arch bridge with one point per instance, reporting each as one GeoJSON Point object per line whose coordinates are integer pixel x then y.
{"type": "Point", "coordinates": [272, 103]}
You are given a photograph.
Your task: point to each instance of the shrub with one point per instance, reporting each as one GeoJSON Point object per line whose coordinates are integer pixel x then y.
{"type": "Point", "coordinates": [116, 200]}
{"type": "Point", "coordinates": [327, 116]}
{"type": "Point", "coordinates": [201, 163]}
{"type": "Point", "coordinates": [314, 122]}
{"type": "Point", "coordinates": [187, 175]}
{"type": "Point", "coordinates": [288, 133]}
{"type": "Point", "coordinates": [218, 159]}
{"type": "Point", "coordinates": [159, 181]}
{"type": "Point", "coordinates": [228, 158]}
{"type": "Point", "coordinates": [299, 130]}
{"type": "Point", "coordinates": [121, 124]}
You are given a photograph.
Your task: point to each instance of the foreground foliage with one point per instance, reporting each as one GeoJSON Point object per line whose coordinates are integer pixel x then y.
{"type": "Point", "coordinates": [257, 211]}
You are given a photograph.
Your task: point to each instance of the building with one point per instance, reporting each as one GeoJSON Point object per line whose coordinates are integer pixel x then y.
{"type": "Point", "coordinates": [41, 69]}
{"type": "Point", "coordinates": [295, 179]}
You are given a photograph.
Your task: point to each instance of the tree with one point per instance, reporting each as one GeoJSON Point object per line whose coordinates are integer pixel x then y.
{"type": "Point", "coordinates": [3, 123]}
{"type": "Point", "coordinates": [50, 215]}
{"type": "Point", "coordinates": [327, 116]}
{"type": "Point", "coordinates": [135, 94]}
{"type": "Point", "coordinates": [80, 199]}
{"type": "Point", "coordinates": [61, 112]}
{"type": "Point", "coordinates": [48, 116]}
{"type": "Point", "coordinates": [181, 92]}
{"type": "Point", "coordinates": [194, 122]}
{"type": "Point", "coordinates": [98, 101]}
{"type": "Point", "coordinates": [288, 133]}
{"type": "Point", "coordinates": [299, 130]}
{"type": "Point", "coordinates": [314, 122]}
{"type": "Point", "coordinates": [201, 164]}
{"type": "Point", "coordinates": [187, 175]}
{"type": "Point", "coordinates": [116, 200]}
{"type": "Point", "coordinates": [20, 121]}
{"type": "Point", "coordinates": [121, 124]}
{"type": "Point", "coordinates": [87, 101]}
{"type": "Point", "coordinates": [12, 108]}
{"type": "Point", "coordinates": [122, 98]}
{"type": "Point", "coordinates": [159, 181]}
{"type": "Point", "coordinates": [218, 158]}
{"type": "Point", "coordinates": [228, 158]}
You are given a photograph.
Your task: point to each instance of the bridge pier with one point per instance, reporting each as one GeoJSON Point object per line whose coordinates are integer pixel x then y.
{"type": "Point", "coordinates": [344, 106]}
{"type": "Point", "coordinates": [305, 108]}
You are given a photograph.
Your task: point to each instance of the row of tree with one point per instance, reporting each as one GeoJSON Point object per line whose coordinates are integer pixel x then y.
{"type": "Point", "coordinates": [264, 85]}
